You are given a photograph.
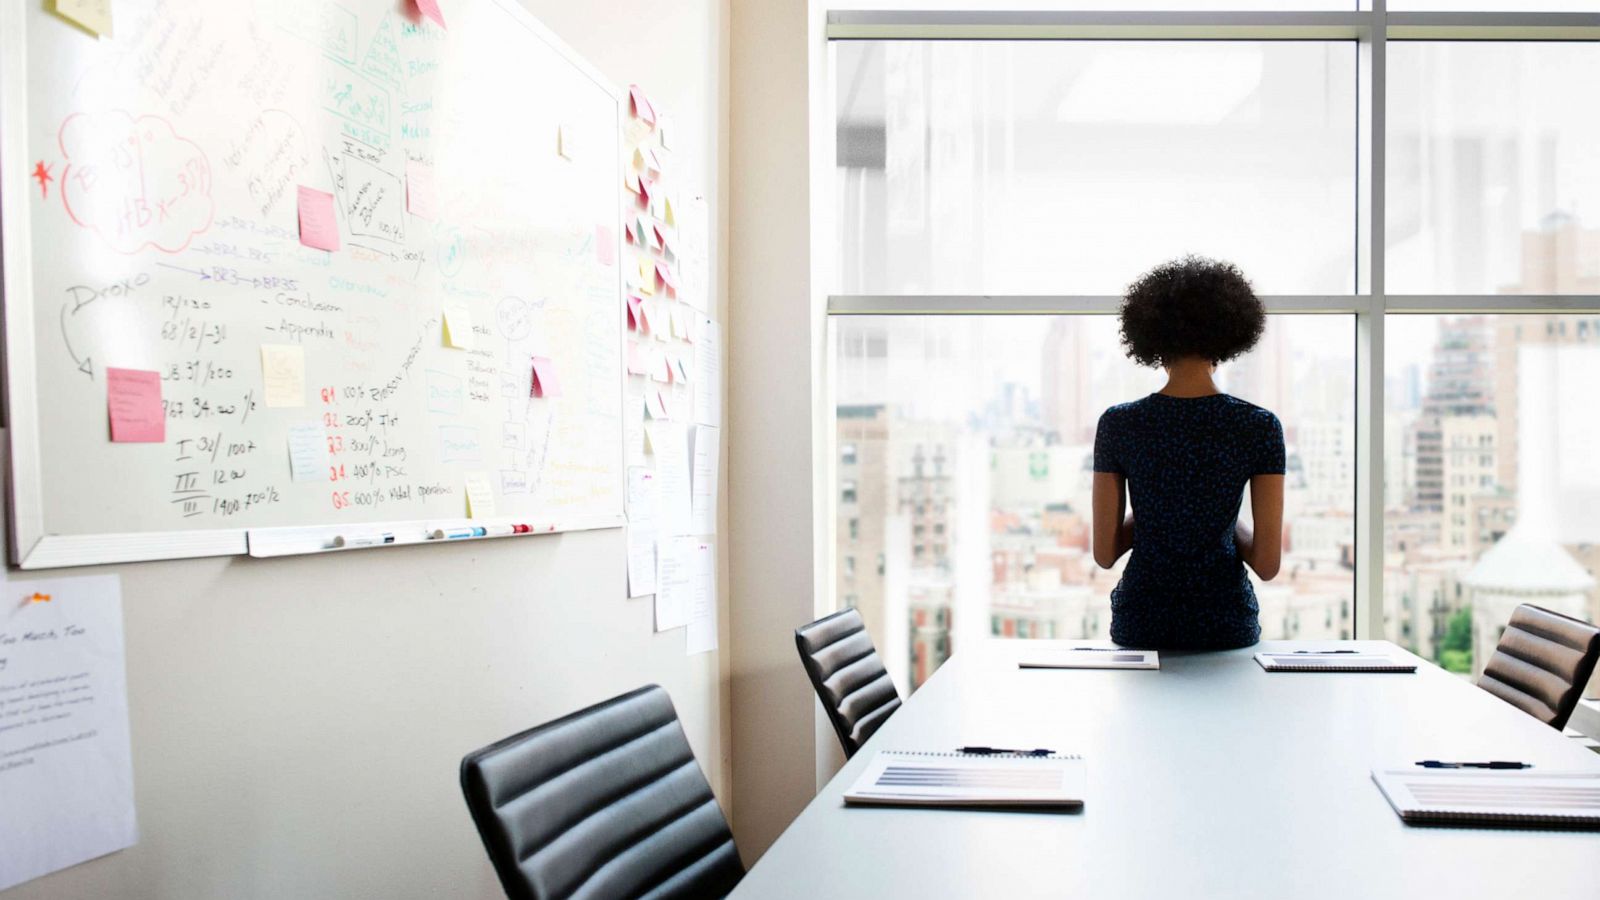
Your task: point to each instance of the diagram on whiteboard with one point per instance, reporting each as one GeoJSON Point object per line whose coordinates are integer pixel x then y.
{"type": "Point", "coordinates": [301, 263]}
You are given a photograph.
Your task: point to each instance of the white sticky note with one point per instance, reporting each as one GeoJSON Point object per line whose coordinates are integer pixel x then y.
{"type": "Point", "coordinates": [703, 484]}
{"type": "Point", "coordinates": [567, 141]}
{"type": "Point", "coordinates": [283, 374]}
{"type": "Point", "coordinates": [457, 326]}
{"type": "Point", "coordinates": [66, 770]}
{"type": "Point", "coordinates": [642, 531]}
{"type": "Point", "coordinates": [708, 374]}
{"type": "Point", "coordinates": [308, 452]}
{"type": "Point", "coordinates": [480, 496]}
{"type": "Point", "coordinates": [421, 196]}
{"type": "Point", "coordinates": [701, 635]}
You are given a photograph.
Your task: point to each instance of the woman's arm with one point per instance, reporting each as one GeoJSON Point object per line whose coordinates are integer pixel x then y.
{"type": "Point", "coordinates": [1262, 547]}
{"type": "Point", "coordinates": [1113, 521]}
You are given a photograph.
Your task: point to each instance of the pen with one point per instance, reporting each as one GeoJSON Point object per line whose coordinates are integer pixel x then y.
{"type": "Point", "coordinates": [995, 751]}
{"type": "Point", "coordinates": [1325, 652]}
{"type": "Point", "coordinates": [1491, 764]}
{"type": "Point", "coordinates": [1107, 649]}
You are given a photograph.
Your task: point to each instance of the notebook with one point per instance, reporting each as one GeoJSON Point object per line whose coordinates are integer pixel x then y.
{"type": "Point", "coordinates": [1328, 661]}
{"type": "Point", "coordinates": [1492, 797]}
{"type": "Point", "coordinates": [1090, 658]}
{"type": "Point", "coordinates": [910, 778]}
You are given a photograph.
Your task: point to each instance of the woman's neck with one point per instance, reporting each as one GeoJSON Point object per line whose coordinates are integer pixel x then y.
{"type": "Point", "coordinates": [1190, 378]}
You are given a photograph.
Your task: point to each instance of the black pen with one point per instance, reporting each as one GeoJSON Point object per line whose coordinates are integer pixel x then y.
{"type": "Point", "coordinates": [1491, 764]}
{"type": "Point", "coordinates": [994, 751]}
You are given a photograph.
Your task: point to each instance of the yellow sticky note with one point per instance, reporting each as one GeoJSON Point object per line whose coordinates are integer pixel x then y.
{"type": "Point", "coordinates": [480, 496]}
{"type": "Point", "coordinates": [283, 374]}
{"type": "Point", "coordinates": [647, 275]}
{"type": "Point", "coordinates": [457, 326]}
{"type": "Point", "coordinates": [94, 15]}
{"type": "Point", "coordinates": [667, 216]}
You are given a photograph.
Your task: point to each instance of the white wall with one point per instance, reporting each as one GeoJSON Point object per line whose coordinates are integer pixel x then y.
{"type": "Point", "coordinates": [773, 354]}
{"type": "Point", "coordinates": [297, 723]}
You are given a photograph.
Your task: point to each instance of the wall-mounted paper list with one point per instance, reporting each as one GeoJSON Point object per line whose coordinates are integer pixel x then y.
{"type": "Point", "coordinates": [701, 636]}
{"type": "Point", "coordinates": [641, 532]}
{"type": "Point", "coordinates": [708, 373]}
{"type": "Point", "coordinates": [703, 489]}
{"type": "Point", "coordinates": [66, 774]}
{"type": "Point", "coordinates": [671, 448]}
{"type": "Point", "coordinates": [675, 560]}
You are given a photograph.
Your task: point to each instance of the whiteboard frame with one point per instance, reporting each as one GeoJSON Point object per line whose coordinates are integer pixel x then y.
{"type": "Point", "coordinates": [31, 545]}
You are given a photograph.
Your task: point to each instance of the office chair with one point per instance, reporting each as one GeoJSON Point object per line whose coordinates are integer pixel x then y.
{"type": "Point", "coordinates": [606, 802]}
{"type": "Point", "coordinates": [848, 676]}
{"type": "Point", "coordinates": [1541, 664]}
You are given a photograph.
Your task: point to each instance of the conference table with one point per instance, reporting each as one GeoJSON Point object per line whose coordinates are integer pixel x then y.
{"type": "Point", "coordinates": [1208, 778]}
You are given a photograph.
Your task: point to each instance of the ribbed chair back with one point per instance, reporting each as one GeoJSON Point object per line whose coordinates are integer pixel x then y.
{"type": "Point", "coordinates": [1542, 663]}
{"type": "Point", "coordinates": [848, 675]}
{"type": "Point", "coordinates": [606, 802]}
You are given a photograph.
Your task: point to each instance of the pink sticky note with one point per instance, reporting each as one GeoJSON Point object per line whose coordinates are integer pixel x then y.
{"type": "Point", "coordinates": [133, 397]}
{"type": "Point", "coordinates": [605, 245]}
{"type": "Point", "coordinates": [430, 11]}
{"type": "Point", "coordinates": [319, 227]}
{"type": "Point", "coordinates": [420, 194]}
{"type": "Point", "coordinates": [545, 383]}
{"type": "Point", "coordinates": [671, 373]}
{"type": "Point", "coordinates": [635, 313]}
{"type": "Point", "coordinates": [638, 360]}
{"type": "Point", "coordinates": [667, 278]}
{"type": "Point", "coordinates": [647, 317]}
{"type": "Point", "coordinates": [641, 104]}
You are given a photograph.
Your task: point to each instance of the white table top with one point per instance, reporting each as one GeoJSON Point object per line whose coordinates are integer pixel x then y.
{"type": "Point", "coordinates": [1208, 778]}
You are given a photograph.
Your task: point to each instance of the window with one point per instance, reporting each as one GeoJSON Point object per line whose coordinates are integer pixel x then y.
{"type": "Point", "coordinates": [847, 454]}
{"type": "Point", "coordinates": [1525, 386]}
{"type": "Point", "coordinates": [1072, 166]}
{"type": "Point", "coordinates": [1015, 423]}
{"type": "Point", "coordinates": [992, 198]}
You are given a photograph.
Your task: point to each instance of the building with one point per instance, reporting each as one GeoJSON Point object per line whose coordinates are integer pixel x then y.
{"type": "Point", "coordinates": [1467, 471]}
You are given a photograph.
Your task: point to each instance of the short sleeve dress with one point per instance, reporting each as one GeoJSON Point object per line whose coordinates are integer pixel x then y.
{"type": "Point", "coordinates": [1187, 461]}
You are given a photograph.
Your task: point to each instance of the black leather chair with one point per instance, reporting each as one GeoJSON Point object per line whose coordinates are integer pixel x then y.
{"type": "Point", "coordinates": [606, 802]}
{"type": "Point", "coordinates": [848, 675]}
{"type": "Point", "coordinates": [1542, 663]}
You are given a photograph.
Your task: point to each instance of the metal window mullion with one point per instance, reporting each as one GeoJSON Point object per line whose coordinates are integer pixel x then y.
{"type": "Point", "coordinates": [1053, 304]}
{"type": "Point", "coordinates": [1369, 524]}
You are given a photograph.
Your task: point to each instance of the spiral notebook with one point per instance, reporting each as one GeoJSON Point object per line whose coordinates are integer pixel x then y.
{"type": "Point", "coordinates": [1484, 797]}
{"type": "Point", "coordinates": [1332, 661]}
{"type": "Point", "coordinates": [910, 778]}
{"type": "Point", "coordinates": [1090, 658]}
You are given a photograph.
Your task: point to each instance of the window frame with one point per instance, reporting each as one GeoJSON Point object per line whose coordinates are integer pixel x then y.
{"type": "Point", "coordinates": [1371, 29]}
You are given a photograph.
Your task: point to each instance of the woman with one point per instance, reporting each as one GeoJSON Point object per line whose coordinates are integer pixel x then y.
{"type": "Point", "coordinates": [1183, 456]}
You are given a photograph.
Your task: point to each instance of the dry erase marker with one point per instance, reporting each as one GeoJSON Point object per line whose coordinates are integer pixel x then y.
{"type": "Point", "coordinates": [364, 540]}
{"type": "Point", "coordinates": [499, 530]}
{"type": "Point", "coordinates": [441, 534]}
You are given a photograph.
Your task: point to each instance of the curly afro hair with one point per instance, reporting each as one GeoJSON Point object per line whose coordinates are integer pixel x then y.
{"type": "Point", "coordinates": [1190, 307]}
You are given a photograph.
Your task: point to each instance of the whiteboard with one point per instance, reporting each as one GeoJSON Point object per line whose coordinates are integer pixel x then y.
{"type": "Point", "coordinates": [150, 222]}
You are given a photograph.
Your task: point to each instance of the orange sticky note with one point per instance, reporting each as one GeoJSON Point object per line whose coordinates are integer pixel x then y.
{"type": "Point", "coordinates": [631, 181]}
{"type": "Point", "coordinates": [641, 104]}
{"type": "Point", "coordinates": [133, 398]}
{"type": "Point", "coordinates": [430, 11]}
{"type": "Point", "coordinates": [319, 227]}
{"type": "Point", "coordinates": [605, 245]}
{"type": "Point", "coordinates": [420, 193]}
{"type": "Point", "coordinates": [545, 383]}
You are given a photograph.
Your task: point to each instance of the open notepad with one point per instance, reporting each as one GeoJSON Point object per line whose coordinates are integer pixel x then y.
{"type": "Point", "coordinates": [1484, 797]}
{"type": "Point", "coordinates": [1089, 658]}
{"type": "Point", "coordinates": [1332, 661]}
{"type": "Point", "coordinates": [909, 778]}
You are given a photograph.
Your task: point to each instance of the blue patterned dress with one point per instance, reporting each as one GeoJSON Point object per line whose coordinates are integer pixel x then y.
{"type": "Point", "coordinates": [1187, 461]}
